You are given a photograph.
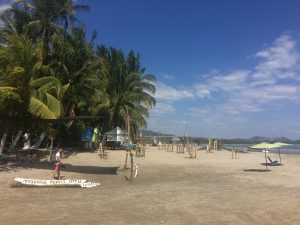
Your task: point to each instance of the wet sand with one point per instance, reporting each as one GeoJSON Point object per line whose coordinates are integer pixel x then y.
{"type": "Point", "coordinates": [170, 189]}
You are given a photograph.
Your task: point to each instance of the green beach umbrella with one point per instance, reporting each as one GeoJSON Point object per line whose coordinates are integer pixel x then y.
{"type": "Point", "coordinates": [264, 145]}
{"type": "Point", "coordinates": [279, 145]}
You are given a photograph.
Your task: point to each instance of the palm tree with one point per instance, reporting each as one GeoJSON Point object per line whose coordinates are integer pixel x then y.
{"type": "Point", "coordinates": [14, 19]}
{"type": "Point", "coordinates": [41, 49]}
{"type": "Point", "coordinates": [22, 92]}
{"type": "Point", "coordinates": [40, 19]}
{"type": "Point", "coordinates": [74, 62]}
{"type": "Point", "coordinates": [128, 92]}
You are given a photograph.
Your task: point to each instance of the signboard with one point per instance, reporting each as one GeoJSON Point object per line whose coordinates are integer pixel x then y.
{"type": "Point", "coordinates": [55, 183]}
{"type": "Point", "coordinates": [87, 134]}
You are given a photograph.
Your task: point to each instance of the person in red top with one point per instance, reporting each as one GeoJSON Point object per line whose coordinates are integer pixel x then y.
{"type": "Point", "coordinates": [58, 163]}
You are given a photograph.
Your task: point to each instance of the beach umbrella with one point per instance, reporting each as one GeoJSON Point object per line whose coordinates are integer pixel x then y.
{"type": "Point", "coordinates": [279, 145]}
{"type": "Point", "coordinates": [264, 145]}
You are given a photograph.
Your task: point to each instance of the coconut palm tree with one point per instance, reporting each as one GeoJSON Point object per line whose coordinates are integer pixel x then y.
{"type": "Point", "coordinates": [128, 92]}
{"type": "Point", "coordinates": [40, 19]}
{"type": "Point", "coordinates": [22, 91]}
{"type": "Point", "coordinates": [15, 18]}
{"type": "Point", "coordinates": [74, 62]}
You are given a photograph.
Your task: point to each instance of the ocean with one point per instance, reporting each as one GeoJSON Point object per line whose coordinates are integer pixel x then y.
{"type": "Point", "coordinates": [291, 149]}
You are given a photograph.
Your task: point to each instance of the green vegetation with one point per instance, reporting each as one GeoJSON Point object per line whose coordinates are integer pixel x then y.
{"type": "Point", "coordinates": [49, 70]}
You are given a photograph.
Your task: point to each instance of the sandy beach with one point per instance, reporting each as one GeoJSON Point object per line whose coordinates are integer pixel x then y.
{"type": "Point", "coordinates": [170, 189]}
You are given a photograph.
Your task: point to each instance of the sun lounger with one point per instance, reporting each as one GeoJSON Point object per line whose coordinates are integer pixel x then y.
{"type": "Point", "coordinates": [272, 162]}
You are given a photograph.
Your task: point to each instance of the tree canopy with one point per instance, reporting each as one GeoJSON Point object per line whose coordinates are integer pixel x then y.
{"type": "Point", "coordinates": [49, 70]}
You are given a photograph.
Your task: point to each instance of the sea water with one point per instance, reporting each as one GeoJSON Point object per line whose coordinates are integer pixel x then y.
{"type": "Point", "coordinates": [290, 149]}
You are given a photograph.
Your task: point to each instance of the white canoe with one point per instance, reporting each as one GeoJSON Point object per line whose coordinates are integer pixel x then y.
{"type": "Point", "coordinates": [56, 183]}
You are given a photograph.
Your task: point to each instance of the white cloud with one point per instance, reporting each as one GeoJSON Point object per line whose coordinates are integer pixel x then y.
{"type": "Point", "coordinates": [202, 91]}
{"type": "Point", "coordinates": [166, 96]}
{"type": "Point", "coordinates": [167, 76]}
{"type": "Point", "coordinates": [272, 93]}
{"type": "Point", "coordinates": [162, 108]}
{"type": "Point", "coordinates": [168, 93]}
{"type": "Point", "coordinates": [5, 5]}
{"type": "Point", "coordinates": [249, 91]}
{"type": "Point", "coordinates": [232, 97]}
{"type": "Point", "coordinates": [226, 83]}
{"type": "Point", "coordinates": [233, 81]}
{"type": "Point", "coordinates": [198, 111]}
{"type": "Point", "coordinates": [278, 62]}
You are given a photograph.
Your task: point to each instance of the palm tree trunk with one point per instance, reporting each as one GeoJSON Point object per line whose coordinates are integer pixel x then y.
{"type": "Point", "coordinates": [26, 141]}
{"type": "Point", "coordinates": [128, 125]}
{"type": "Point", "coordinates": [39, 141]}
{"type": "Point", "coordinates": [51, 142]}
{"type": "Point", "coordinates": [45, 50]}
{"type": "Point", "coordinates": [3, 139]}
{"type": "Point", "coordinates": [131, 167]}
{"type": "Point", "coordinates": [15, 141]}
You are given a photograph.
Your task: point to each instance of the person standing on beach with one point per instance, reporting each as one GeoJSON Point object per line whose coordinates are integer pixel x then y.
{"type": "Point", "coordinates": [58, 163]}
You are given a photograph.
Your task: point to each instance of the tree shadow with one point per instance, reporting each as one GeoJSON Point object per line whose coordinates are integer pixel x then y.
{"type": "Point", "coordinates": [73, 168]}
{"type": "Point", "coordinates": [68, 153]}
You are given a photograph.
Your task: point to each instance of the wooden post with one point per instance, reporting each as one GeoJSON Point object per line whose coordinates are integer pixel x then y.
{"type": "Point", "coordinates": [209, 147]}
{"type": "Point", "coordinates": [131, 167]}
{"type": "Point", "coordinates": [266, 159]}
{"type": "Point", "coordinates": [125, 165]}
{"type": "Point", "coordinates": [215, 145]}
{"type": "Point", "coordinates": [279, 155]}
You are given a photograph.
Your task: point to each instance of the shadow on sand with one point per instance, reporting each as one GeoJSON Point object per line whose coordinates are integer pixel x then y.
{"type": "Point", "coordinates": [257, 170]}
{"type": "Point", "coordinates": [271, 164]}
{"type": "Point", "coordinates": [73, 168]}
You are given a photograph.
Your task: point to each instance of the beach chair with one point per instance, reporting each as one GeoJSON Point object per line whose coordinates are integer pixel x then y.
{"type": "Point", "coordinates": [273, 162]}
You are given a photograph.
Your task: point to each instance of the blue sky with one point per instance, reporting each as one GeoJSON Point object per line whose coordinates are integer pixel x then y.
{"type": "Point", "coordinates": [224, 68]}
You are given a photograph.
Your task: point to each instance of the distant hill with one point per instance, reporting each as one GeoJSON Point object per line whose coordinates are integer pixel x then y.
{"type": "Point", "coordinates": [256, 139]}
{"type": "Point", "coordinates": [270, 139]}
{"type": "Point", "coordinates": [153, 133]}
{"type": "Point", "coordinates": [253, 140]}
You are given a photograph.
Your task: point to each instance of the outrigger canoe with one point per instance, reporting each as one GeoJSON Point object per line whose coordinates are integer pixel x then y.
{"type": "Point", "coordinates": [56, 183]}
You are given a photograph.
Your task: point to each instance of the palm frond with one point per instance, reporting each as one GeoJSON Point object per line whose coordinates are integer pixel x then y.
{"type": "Point", "coordinates": [45, 105]}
